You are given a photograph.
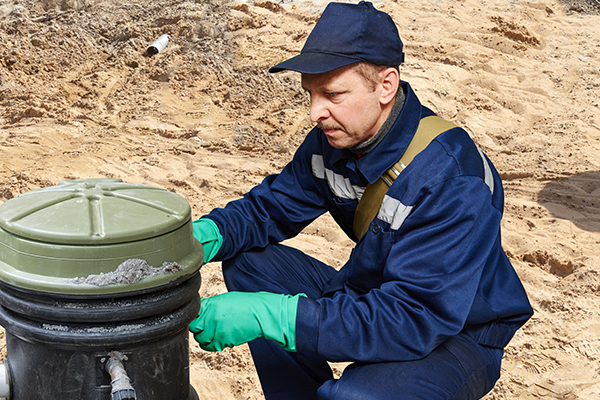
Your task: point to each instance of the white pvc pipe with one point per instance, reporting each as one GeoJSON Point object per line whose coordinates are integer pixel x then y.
{"type": "Point", "coordinates": [4, 381]}
{"type": "Point", "coordinates": [158, 45]}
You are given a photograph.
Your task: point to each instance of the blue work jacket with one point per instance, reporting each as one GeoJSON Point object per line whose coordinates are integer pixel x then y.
{"type": "Point", "coordinates": [429, 267]}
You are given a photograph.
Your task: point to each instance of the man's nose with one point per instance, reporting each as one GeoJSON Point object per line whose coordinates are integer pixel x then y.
{"type": "Point", "coordinates": [318, 109]}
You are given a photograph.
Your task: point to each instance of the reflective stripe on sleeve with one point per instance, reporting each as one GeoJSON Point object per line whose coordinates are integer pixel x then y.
{"type": "Point", "coordinates": [339, 185]}
{"type": "Point", "coordinates": [489, 178]}
{"type": "Point", "coordinates": [393, 212]}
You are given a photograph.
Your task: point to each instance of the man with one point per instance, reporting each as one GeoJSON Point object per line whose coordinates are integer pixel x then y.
{"type": "Point", "coordinates": [428, 299]}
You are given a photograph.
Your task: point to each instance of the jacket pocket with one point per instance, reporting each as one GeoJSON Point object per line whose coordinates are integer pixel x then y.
{"type": "Point", "coordinates": [370, 257]}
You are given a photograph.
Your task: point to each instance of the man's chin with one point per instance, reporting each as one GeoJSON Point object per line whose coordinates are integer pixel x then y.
{"type": "Point", "coordinates": [337, 142]}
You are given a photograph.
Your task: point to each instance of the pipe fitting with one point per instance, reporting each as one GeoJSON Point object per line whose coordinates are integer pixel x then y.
{"type": "Point", "coordinates": [121, 388]}
{"type": "Point", "coordinates": [4, 380]}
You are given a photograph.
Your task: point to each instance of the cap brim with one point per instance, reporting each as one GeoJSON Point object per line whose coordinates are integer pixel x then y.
{"type": "Point", "coordinates": [314, 63]}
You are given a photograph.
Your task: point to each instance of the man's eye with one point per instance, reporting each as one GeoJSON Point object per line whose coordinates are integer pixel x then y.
{"type": "Point", "coordinates": [332, 94]}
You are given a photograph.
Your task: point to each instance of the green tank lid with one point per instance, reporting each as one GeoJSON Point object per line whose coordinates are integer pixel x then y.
{"type": "Point", "coordinates": [81, 228]}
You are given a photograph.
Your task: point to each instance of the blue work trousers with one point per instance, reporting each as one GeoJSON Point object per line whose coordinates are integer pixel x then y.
{"type": "Point", "coordinates": [458, 369]}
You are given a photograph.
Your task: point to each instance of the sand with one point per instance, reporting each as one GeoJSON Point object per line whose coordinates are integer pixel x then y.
{"type": "Point", "coordinates": [128, 272]}
{"type": "Point", "coordinates": [203, 118]}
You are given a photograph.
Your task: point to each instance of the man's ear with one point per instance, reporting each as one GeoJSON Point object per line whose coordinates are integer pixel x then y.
{"type": "Point", "coordinates": [390, 82]}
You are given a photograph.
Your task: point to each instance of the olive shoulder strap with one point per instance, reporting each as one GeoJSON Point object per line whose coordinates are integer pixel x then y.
{"type": "Point", "coordinates": [370, 202]}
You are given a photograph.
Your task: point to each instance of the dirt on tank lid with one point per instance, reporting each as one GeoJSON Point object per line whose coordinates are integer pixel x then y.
{"type": "Point", "coordinates": [53, 238]}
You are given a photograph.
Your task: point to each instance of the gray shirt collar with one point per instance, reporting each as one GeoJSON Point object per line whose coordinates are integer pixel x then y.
{"type": "Point", "coordinates": [366, 146]}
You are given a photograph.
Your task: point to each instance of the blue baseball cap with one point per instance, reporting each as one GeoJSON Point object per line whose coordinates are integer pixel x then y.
{"type": "Point", "coordinates": [346, 34]}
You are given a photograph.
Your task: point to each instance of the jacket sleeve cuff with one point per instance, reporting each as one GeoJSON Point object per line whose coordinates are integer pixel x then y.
{"type": "Point", "coordinates": [225, 246]}
{"type": "Point", "coordinates": [307, 325]}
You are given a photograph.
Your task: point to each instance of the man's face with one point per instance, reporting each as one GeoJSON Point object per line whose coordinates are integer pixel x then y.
{"type": "Point", "coordinates": [342, 104]}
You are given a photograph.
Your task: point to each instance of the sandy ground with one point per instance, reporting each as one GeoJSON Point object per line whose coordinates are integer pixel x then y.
{"type": "Point", "coordinates": [203, 118]}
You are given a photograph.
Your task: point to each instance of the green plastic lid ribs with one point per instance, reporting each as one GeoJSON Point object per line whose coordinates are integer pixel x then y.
{"type": "Point", "coordinates": [87, 227]}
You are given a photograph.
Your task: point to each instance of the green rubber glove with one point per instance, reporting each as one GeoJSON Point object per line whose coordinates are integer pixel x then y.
{"type": "Point", "coordinates": [207, 233]}
{"type": "Point", "coordinates": [234, 318]}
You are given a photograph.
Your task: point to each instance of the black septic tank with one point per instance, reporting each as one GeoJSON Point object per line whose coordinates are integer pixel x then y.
{"type": "Point", "coordinates": [99, 280]}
